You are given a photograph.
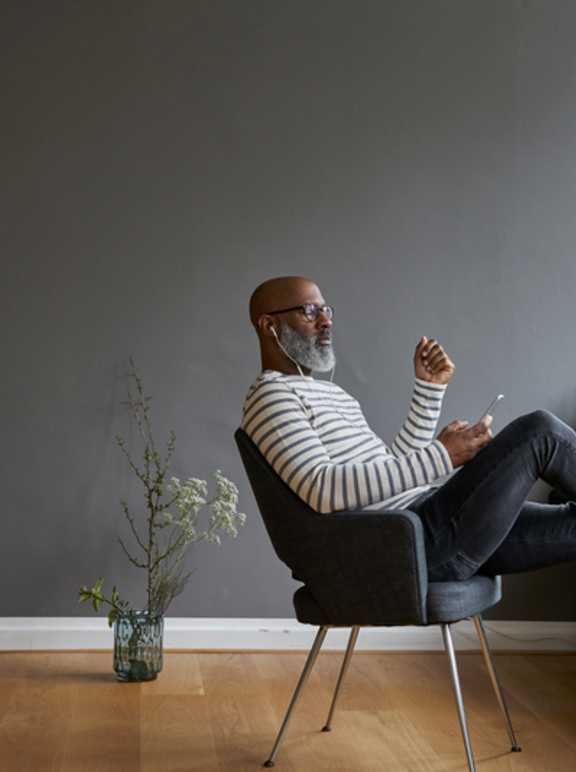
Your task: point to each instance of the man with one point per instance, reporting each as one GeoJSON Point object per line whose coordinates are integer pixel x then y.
{"type": "Point", "coordinates": [316, 438]}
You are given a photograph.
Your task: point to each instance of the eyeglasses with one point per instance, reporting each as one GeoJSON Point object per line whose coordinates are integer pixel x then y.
{"type": "Point", "coordinates": [311, 311]}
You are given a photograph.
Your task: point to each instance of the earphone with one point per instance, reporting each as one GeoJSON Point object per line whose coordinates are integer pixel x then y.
{"type": "Point", "coordinates": [334, 406]}
{"type": "Point", "coordinates": [275, 334]}
{"type": "Point", "coordinates": [287, 354]}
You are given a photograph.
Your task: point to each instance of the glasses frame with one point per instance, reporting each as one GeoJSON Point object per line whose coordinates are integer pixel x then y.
{"type": "Point", "coordinates": [303, 307]}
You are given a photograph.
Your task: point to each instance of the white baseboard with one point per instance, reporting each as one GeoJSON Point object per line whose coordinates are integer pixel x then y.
{"type": "Point", "coordinates": [61, 633]}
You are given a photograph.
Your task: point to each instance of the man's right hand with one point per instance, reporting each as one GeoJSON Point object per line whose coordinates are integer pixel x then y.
{"type": "Point", "coordinates": [463, 443]}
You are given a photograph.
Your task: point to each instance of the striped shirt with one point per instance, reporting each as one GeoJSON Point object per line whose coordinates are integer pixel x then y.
{"type": "Point", "coordinates": [316, 438]}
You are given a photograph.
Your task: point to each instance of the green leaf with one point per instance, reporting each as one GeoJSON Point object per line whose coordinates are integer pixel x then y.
{"type": "Point", "coordinates": [84, 594]}
{"type": "Point", "coordinates": [111, 618]}
{"type": "Point", "coordinates": [96, 604]}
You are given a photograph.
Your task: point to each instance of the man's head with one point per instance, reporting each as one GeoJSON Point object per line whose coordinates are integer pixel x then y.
{"type": "Point", "coordinates": [293, 325]}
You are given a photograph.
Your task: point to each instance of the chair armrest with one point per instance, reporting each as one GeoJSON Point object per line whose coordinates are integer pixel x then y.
{"type": "Point", "coordinates": [363, 567]}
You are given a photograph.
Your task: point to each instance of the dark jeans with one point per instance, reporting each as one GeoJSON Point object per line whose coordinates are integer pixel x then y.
{"type": "Point", "coordinates": [479, 520]}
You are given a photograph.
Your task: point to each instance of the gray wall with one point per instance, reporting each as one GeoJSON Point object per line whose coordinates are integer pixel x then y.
{"type": "Point", "coordinates": [161, 158]}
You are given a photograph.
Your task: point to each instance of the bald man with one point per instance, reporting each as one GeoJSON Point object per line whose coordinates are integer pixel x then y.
{"type": "Point", "coordinates": [316, 438]}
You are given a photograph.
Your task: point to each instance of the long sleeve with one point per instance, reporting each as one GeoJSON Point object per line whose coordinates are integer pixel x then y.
{"type": "Point", "coordinates": [316, 438]}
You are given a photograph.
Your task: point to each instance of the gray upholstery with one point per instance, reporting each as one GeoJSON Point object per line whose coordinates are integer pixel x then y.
{"type": "Point", "coordinates": [358, 568]}
{"type": "Point", "coordinates": [452, 601]}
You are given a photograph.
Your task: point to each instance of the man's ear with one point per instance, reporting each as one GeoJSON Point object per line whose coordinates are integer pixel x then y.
{"type": "Point", "coordinates": [266, 325]}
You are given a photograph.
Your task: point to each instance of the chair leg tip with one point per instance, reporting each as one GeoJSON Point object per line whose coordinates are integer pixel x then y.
{"type": "Point", "coordinates": [515, 749]}
{"type": "Point", "coordinates": [268, 763]}
{"type": "Point", "coordinates": [326, 728]}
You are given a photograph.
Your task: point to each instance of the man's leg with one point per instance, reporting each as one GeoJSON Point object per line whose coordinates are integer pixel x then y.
{"type": "Point", "coordinates": [542, 536]}
{"type": "Point", "coordinates": [468, 519]}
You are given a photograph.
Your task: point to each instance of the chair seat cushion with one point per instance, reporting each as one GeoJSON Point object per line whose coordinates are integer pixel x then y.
{"type": "Point", "coordinates": [446, 601]}
{"type": "Point", "coordinates": [452, 601]}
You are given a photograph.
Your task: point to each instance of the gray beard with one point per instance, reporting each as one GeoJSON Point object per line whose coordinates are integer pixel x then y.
{"type": "Point", "coordinates": [304, 350]}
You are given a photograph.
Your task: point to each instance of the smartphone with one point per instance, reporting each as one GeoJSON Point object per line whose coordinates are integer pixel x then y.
{"type": "Point", "coordinates": [492, 406]}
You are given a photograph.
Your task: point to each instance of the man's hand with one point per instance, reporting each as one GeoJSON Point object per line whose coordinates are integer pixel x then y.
{"type": "Point", "coordinates": [431, 363]}
{"type": "Point", "coordinates": [461, 443]}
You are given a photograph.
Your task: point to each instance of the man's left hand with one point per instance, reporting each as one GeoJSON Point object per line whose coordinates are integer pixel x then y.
{"type": "Point", "coordinates": [431, 363]}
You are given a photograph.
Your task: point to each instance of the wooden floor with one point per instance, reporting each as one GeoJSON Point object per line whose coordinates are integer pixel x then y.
{"type": "Point", "coordinates": [220, 712]}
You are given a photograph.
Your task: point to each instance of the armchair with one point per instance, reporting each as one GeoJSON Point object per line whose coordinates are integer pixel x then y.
{"type": "Point", "coordinates": [364, 569]}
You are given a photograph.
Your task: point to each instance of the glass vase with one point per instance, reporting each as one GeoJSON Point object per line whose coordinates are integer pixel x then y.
{"type": "Point", "coordinates": [138, 645]}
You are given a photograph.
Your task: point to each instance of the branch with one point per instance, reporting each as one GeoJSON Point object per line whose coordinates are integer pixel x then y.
{"type": "Point", "coordinates": [129, 556]}
{"type": "Point", "coordinates": [132, 526]}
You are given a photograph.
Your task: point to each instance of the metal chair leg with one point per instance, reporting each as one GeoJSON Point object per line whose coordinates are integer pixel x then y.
{"type": "Point", "coordinates": [449, 646]}
{"type": "Point", "coordinates": [494, 677]}
{"type": "Point", "coordinates": [344, 669]}
{"type": "Point", "coordinates": [318, 641]}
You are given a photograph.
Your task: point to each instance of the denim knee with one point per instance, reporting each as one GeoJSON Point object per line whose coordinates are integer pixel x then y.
{"type": "Point", "coordinates": [538, 423]}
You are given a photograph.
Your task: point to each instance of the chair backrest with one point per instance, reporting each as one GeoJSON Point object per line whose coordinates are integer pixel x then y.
{"type": "Point", "coordinates": [362, 568]}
